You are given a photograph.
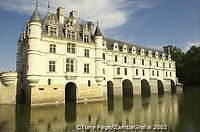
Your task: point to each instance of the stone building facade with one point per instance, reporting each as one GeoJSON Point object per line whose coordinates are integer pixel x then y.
{"type": "Point", "coordinates": [59, 59]}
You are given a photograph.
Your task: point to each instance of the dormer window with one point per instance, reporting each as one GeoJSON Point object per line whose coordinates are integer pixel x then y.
{"type": "Point", "coordinates": [150, 53]}
{"type": "Point", "coordinates": [71, 35]}
{"type": "Point", "coordinates": [142, 52]}
{"type": "Point", "coordinates": [156, 54]}
{"type": "Point", "coordinates": [124, 48]}
{"type": "Point", "coordinates": [133, 50]}
{"type": "Point", "coordinates": [115, 46]}
{"type": "Point", "coordinates": [86, 38]}
{"type": "Point", "coordinates": [163, 55]}
{"type": "Point", "coordinates": [52, 31]}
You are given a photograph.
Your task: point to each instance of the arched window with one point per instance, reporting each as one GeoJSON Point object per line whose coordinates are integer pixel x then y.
{"type": "Point", "coordinates": [118, 71]}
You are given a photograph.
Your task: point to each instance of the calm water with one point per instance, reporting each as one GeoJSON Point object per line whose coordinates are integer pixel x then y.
{"type": "Point", "coordinates": [181, 113]}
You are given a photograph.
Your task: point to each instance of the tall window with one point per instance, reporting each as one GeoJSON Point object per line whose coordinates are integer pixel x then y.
{"type": "Point", "coordinates": [104, 56]}
{"type": "Point", "coordinates": [89, 83]}
{"type": "Point", "coordinates": [158, 73]}
{"type": "Point", "coordinates": [70, 65]}
{"type": "Point", "coordinates": [170, 74]}
{"type": "Point", "coordinates": [118, 71]}
{"type": "Point", "coordinates": [103, 71]}
{"type": "Point", "coordinates": [142, 61]}
{"type": "Point", "coordinates": [86, 38]}
{"type": "Point", "coordinates": [52, 66]}
{"type": "Point", "coordinates": [86, 53]}
{"type": "Point", "coordinates": [49, 81]}
{"type": "Point", "coordinates": [71, 35]}
{"type": "Point", "coordinates": [150, 62]}
{"type": "Point", "coordinates": [169, 65]}
{"type": "Point", "coordinates": [116, 58]}
{"type": "Point", "coordinates": [166, 74]}
{"type": "Point", "coordinates": [133, 60]}
{"type": "Point", "coordinates": [153, 73]}
{"type": "Point", "coordinates": [125, 71]}
{"type": "Point", "coordinates": [143, 73]}
{"type": "Point", "coordinates": [86, 68]}
{"type": "Point", "coordinates": [157, 63]}
{"type": "Point", "coordinates": [52, 48]}
{"type": "Point", "coordinates": [125, 59]}
{"type": "Point", "coordinates": [163, 64]}
{"type": "Point", "coordinates": [136, 72]}
{"type": "Point", "coordinates": [71, 48]}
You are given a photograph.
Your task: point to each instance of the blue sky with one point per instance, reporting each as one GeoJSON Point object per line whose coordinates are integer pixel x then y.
{"type": "Point", "coordinates": [151, 23]}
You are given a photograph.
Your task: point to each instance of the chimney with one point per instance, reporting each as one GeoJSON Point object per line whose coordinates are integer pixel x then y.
{"type": "Point", "coordinates": [61, 15]}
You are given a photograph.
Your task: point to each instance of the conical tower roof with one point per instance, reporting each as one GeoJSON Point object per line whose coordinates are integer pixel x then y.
{"type": "Point", "coordinates": [97, 31]}
{"type": "Point", "coordinates": [36, 16]}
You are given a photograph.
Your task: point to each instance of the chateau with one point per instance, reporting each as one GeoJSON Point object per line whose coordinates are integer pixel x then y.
{"type": "Point", "coordinates": [61, 59]}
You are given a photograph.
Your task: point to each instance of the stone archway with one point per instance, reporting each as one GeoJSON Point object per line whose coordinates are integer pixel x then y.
{"type": "Point", "coordinates": [70, 92]}
{"type": "Point", "coordinates": [127, 88]}
{"type": "Point", "coordinates": [145, 88]}
{"type": "Point", "coordinates": [173, 87]}
{"type": "Point", "coordinates": [160, 88]}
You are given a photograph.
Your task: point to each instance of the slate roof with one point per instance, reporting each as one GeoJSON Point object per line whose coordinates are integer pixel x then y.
{"type": "Point", "coordinates": [35, 16]}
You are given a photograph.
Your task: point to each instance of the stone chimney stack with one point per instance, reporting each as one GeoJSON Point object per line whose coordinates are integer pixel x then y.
{"type": "Point", "coordinates": [61, 15]}
{"type": "Point", "coordinates": [73, 14]}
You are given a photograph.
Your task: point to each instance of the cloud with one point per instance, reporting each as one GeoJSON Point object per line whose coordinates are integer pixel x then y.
{"type": "Point", "coordinates": [190, 44]}
{"type": "Point", "coordinates": [110, 13]}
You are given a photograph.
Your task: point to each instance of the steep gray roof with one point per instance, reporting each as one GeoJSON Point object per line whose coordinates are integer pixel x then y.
{"type": "Point", "coordinates": [110, 44]}
{"type": "Point", "coordinates": [97, 31]}
{"type": "Point", "coordinates": [35, 16]}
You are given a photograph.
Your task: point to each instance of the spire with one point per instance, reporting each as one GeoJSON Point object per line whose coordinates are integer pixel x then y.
{"type": "Point", "coordinates": [21, 37]}
{"type": "Point", "coordinates": [48, 5]}
{"type": "Point", "coordinates": [36, 3]}
{"type": "Point", "coordinates": [36, 16]}
{"type": "Point", "coordinates": [97, 31]}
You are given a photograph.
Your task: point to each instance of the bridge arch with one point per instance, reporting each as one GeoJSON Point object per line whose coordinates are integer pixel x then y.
{"type": "Point", "coordinates": [173, 87]}
{"type": "Point", "coordinates": [127, 88]}
{"type": "Point", "coordinates": [145, 88]}
{"type": "Point", "coordinates": [70, 92]}
{"type": "Point", "coordinates": [160, 88]}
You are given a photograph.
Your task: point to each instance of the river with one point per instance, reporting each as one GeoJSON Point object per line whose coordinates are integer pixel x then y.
{"type": "Point", "coordinates": [172, 113]}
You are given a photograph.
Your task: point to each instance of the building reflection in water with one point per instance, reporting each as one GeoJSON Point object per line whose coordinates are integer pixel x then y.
{"type": "Point", "coordinates": [133, 111]}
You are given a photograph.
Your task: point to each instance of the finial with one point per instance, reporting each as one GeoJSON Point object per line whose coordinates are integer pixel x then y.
{"type": "Point", "coordinates": [48, 5]}
{"type": "Point", "coordinates": [36, 3]}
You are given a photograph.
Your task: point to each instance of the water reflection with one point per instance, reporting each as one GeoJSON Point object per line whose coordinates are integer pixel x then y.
{"type": "Point", "coordinates": [132, 111]}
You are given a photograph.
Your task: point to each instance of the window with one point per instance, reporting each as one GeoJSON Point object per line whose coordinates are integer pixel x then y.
{"type": "Point", "coordinates": [150, 63]}
{"type": "Point", "coordinates": [116, 58]}
{"type": "Point", "coordinates": [52, 31]}
{"type": "Point", "coordinates": [86, 38]}
{"type": "Point", "coordinates": [86, 68]}
{"type": "Point", "coordinates": [49, 81]}
{"type": "Point", "coordinates": [89, 83]}
{"type": "Point", "coordinates": [136, 72]}
{"type": "Point", "coordinates": [133, 60]}
{"type": "Point", "coordinates": [163, 64]}
{"type": "Point", "coordinates": [142, 61]}
{"type": "Point", "coordinates": [104, 56]}
{"type": "Point", "coordinates": [153, 73]}
{"type": "Point", "coordinates": [87, 53]}
{"type": "Point", "coordinates": [169, 65]}
{"type": "Point", "coordinates": [52, 66]}
{"type": "Point", "coordinates": [71, 35]}
{"type": "Point", "coordinates": [158, 73]}
{"type": "Point", "coordinates": [70, 65]}
{"type": "Point", "coordinates": [166, 74]}
{"type": "Point", "coordinates": [170, 74]}
{"type": "Point", "coordinates": [118, 71]}
{"type": "Point", "coordinates": [143, 73]}
{"type": "Point", "coordinates": [125, 59]}
{"type": "Point", "coordinates": [71, 48]}
{"type": "Point", "coordinates": [157, 63]}
{"type": "Point", "coordinates": [125, 71]}
{"type": "Point", "coordinates": [103, 71]}
{"type": "Point", "coordinates": [52, 48]}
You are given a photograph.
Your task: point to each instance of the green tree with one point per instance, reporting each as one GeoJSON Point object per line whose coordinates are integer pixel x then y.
{"type": "Point", "coordinates": [192, 67]}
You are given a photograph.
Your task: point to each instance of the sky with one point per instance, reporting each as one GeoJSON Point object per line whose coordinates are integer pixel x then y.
{"type": "Point", "coordinates": [151, 23]}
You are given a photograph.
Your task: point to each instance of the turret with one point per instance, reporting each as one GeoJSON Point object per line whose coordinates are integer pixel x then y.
{"type": "Point", "coordinates": [98, 37]}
